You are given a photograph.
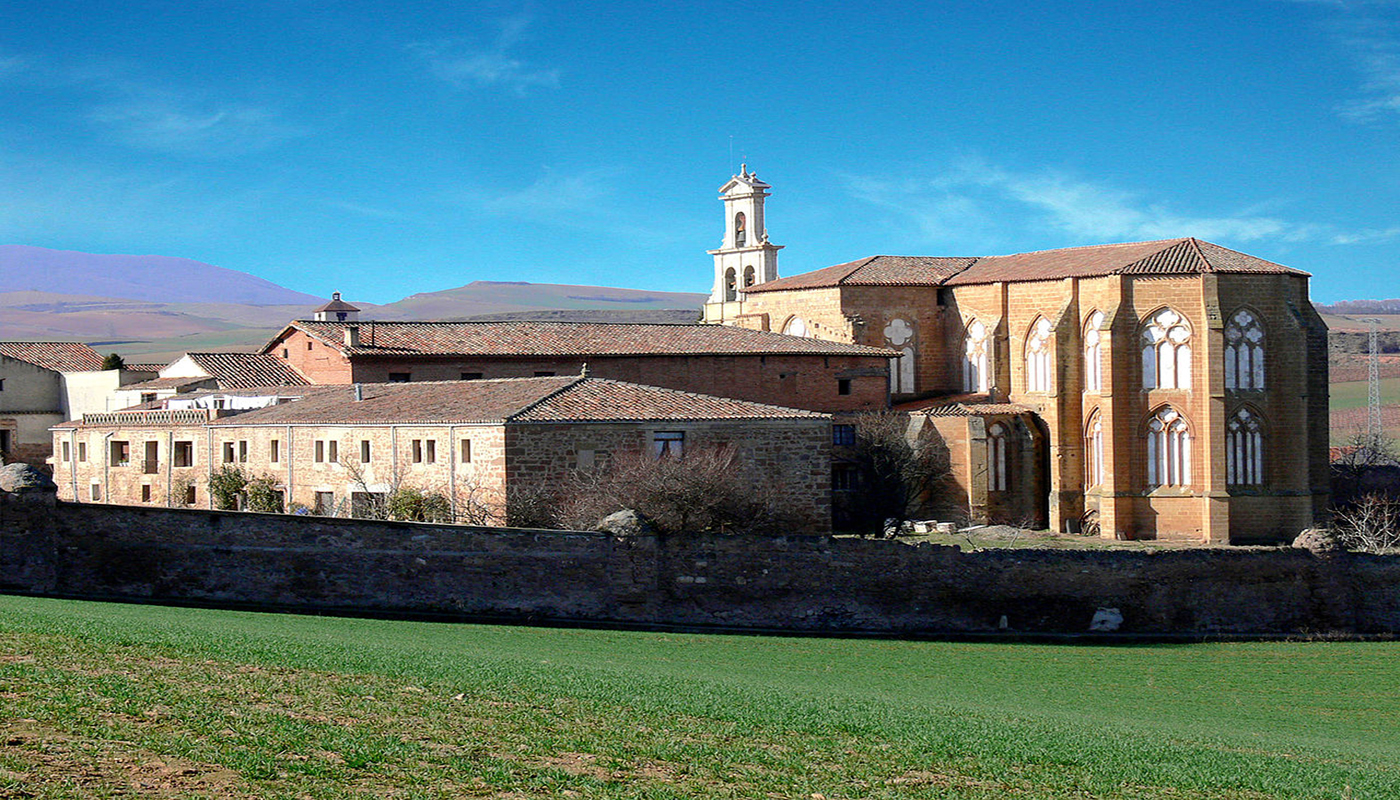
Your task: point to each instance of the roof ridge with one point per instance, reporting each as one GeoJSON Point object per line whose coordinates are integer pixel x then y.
{"type": "Point", "coordinates": [1085, 247]}
{"type": "Point", "coordinates": [702, 395]}
{"type": "Point", "coordinates": [550, 396]}
{"type": "Point", "coordinates": [1175, 243]}
{"type": "Point", "coordinates": [865, 262]}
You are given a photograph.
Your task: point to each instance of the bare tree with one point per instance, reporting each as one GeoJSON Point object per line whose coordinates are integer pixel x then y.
{"type": "Point", "coordinates": [896, 475]}
{"type": "Point", "coordinates": [1371, 525]}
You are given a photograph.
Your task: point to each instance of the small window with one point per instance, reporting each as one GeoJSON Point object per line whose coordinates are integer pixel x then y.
{"type": "Point", "coordinates": [668, 443]}
{"type": "Point", "coordinates": [67, 453]}
{"type": "Point", "coordinates": [228, 452]}
{"type": "Point", "coordinates": [309, 345]}
{"type": "Point", "coordinates": [843, 385]}
{"type": "Point", "coordinates": [466, 451]}
{"type": "Point", "coordinates": [543, 374]}
{"type": "Point", "coordinates": [325, 504]}
{"type": "Point", "coordinates": [430, 451]}
{"type": "Point", "coordinates": [243, 452]}
{"type": "Point", "coordinates": [586, 459]}
{"type": "Point", "coordinates": [184, 454]}
{"type": "Point", "coordinates": [364, 451]}
{"type": "Point", "coordinates": [320, 452]}
{"type": "Point", "coordinates": [274, 451]}
{"type": "Point", "coordinates": [285, 354]}
{"type": "Point", "coordinates": [191, 495]}
{"type": "Point", "coordinates": [82, 452]}
{"type": "Point", "coordinates": [148, 397]}
{"type": "Point", "coordinates": [843, 435]}
{"type": "Point", "coordinates": [151, 462]}
{"type": "Point", "coordinates": [2, 384]}
{"type": "Point", "coordinates": [399, 377]}
{"type": "Point", "coordinates": [333, 451]}
{"type": "Point", "coordinates": [844, 478]}
{"type": "Point", "coordinates": [471, 376]}
{"type": "Point", "coordinates": [95, 492]}
{"type": "Point", "coordinates": [120, 453]}
{"type": "Point", "coordinates": [145, 493]}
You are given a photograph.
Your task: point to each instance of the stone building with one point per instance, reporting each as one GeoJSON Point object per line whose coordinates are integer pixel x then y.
{"type": "Point", "coordinates": [1170, 389]}
{"type": "Point", "coordinates": [746, 364]}
{"type": "Point", "coordinates": [484, 444]}
{"type": "Point", "coordinates": [194, 371]}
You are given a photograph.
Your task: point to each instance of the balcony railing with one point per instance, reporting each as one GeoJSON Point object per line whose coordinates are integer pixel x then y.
{"type": "Point", "coordinates": [157, 416]}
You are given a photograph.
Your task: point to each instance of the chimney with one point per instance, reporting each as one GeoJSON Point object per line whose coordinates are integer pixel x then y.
{"type": "Point", "coordinates": [359, 393]}
{"type": "Point", "coordinates": [352, 335]}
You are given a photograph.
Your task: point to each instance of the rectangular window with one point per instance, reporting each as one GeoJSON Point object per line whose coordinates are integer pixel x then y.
{"type": "Point", "coordinates": [399, 377]}
{"type": "Point", "coordinates": [364, 451]}
{"type": "Point", "coordinates": [843, 385]}
{"type": "Point", "coordinates": [191, 495]}
{"type": "Point", "coordinates": [151, 463]}
{"type": "Point", "coordinates": [843, 435]}
{"type": "Point", "coordinates": [668, 444]}
{"type": "Point", "coordinates": [243, 452]}
{"type": "Point", "coordinates": [325, 504]}
{"type": "Point", "coordinates": [471, 376]}
{"type": "Point", "coordinates": [82, 452]}
{"type": "Point", "coordinates": [2, 384]}
{"type": "Point", "coordinates": [274, 451]}
{"type": "Point", "coordinates": [430, 451]}
{"type": "Point", "coordinates": [844, 478]}
{"type": "Point", "coordinates": [145, 493]}
{"type": "Point", "coordinates": [284, 353]}
{"type": "Point", "coordinates": [418, 451]}
{"type": "Point", "coordinates": [67, 452]}
{"type": "Point", "coordinates": [95, 492]}
{"type": "Point", "coordinates": [544, 374]}
{"type": "Point", "coordinates": [119, 453]}
{"type": "Point", "coordinates": [184, 454]}
{"type": "Point", "coordinates": [333, 451]}
{"type": "Point", "coordinates": [586, 459]}
{"type": "Point", "coordinates": [308, 345]}
{"type": "Point", "coordinates": [320, 448]}
{"type": "Point", "coordinates": [148, 397]}
{"type": "Point", "coordinates": [466, 451]}
{"type": "Point", "coordinates": [228, 452]}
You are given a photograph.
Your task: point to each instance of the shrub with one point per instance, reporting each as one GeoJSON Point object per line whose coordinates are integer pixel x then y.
{"type": "Point", "coordinates": [262, 495]}
{"type": "Point", "coordinates": [896, 475]}
{"type": "Point", "coordinates": [226, 484]}
{"type": "Point", "coordinates": [411, 504]}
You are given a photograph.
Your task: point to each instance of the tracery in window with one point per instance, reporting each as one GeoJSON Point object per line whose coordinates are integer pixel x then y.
{"type": "Point", "coordinates": [1244, 449]}
{"type": "Point", "coordinates": [900, 334]}
{"type": "Point", "coordinates": [1168, 449]}
{"type": "Point", "coordinates": [996, 457]}
{"type": "Point", "coordinates": [1244, 352]}
{"type": "Point", "coordinates": [1166, 352]}
{"type": "Point", "coordinates": [1093, 353]}
{"type": "Point", "coordinates": [795, 327]}
{"type": "Point", "coordinates": [1093, 451]}
{"type": "Point", "coordinates": [1038, 363]}
{"type": "Point", "coordinates": [975, 358]}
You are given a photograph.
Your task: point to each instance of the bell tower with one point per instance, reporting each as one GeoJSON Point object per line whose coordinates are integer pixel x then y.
{"type": "Point", "coordinates": [745, 257]}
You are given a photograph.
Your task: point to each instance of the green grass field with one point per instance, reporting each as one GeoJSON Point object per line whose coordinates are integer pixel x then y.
{"type": "Point", "coordinates": [101, 700]}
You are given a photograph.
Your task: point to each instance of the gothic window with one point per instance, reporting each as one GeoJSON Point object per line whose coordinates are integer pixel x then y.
{"type": "Point", "coordinates": [1244, 352]}
{"type": "Point", "coordinates": [1093, 353]}
{"type": "Point", "coordinates": [741, 233]}
{"type": "Point", "coordinates": [1168, 449]}
{"type": "Point", "coordinates": [1166, 352]}
{"type": "Point", "coordinates": [900, 336]}
{"type": "Point", "coordinates": [1244, 449]}
{"type": "Point", "coordinates": [975, 359]}
{"type": "Point", "coordinates": [730, 291]}
{"type": "Point", "coordinates": [996, 457]}
{"type": "Point", "coordinates": [748, 277]}
{"type": "Point", "coordinates": [1093, 452]}
{"type": "Point", "coordinates": [1038, 356]}
{"type": "Point", "coordinates": [795, 327]}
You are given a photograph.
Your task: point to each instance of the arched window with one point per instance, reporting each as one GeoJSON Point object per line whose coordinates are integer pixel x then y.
{"type": "Point", "coordinates": [1244, 352]}
{"type": "Point", "coordinates": [1166, 352]}
{"type": "Point", "coordinates": [1168, 449]}
{"type": "Point", "coordinates": [1244, 449]}
{"type": "Point", "coordinates": [975, 359]}
{"type": "Point", "coordinates": [748, 277]}
{"type": "Point", "coordinates": [1038, 356]}
{"type": "Point", "coordinates": [900, 336]}
{"type": "Point", "coordinates": [795, 327]}
{"type": "Point", "coordinates": [730, 292]}
{"type": "Point", "coordinates": [996, 457]}
{"type": "Point", "coordinates": [1093, 353]}
{"type": "Point", "coordinates": [1093, 451]}
{"type": "Point", "coordinates": [741, 233]}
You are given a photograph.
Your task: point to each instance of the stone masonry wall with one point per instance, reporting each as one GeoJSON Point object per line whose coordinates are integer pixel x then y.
{"type": "Point", "coordinates": [811, 583]}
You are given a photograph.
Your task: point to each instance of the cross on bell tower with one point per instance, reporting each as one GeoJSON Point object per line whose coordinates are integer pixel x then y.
{"type": "Point", "coordinates": [745, 257]}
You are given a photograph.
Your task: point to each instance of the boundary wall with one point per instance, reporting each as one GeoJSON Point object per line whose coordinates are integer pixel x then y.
{"type": "Point", "coordinates": [798, 583]}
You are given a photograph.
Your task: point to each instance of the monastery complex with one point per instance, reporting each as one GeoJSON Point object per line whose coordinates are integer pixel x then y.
{"type": "Point", "coordinates": [1173, 389]}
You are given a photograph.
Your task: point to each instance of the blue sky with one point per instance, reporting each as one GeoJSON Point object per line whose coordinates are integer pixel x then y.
{"type": "Point", "coordinates": [357, 146]}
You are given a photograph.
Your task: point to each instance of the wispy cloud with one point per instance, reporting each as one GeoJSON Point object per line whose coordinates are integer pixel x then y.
{"type": "Point", "coordinates": [164, 122]}
{"type": "Point", "coordinates": [1368, 33]}
{"type": "Point", "coordinates": [463, 63]}
{"type": "Point", "coordinates": [974, 200]}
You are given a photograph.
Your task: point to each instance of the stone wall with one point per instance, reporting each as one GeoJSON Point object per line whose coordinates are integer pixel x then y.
{"type": "Point", "coordinates": [810, 583]}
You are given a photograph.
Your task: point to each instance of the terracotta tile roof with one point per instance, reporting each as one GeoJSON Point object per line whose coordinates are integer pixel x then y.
{"type": "Point", "coordinates": [244, 370]}
{"type": "Point", "coordinates": [165, 383]}
{"type": "Point", "coordinates": [875, 271]}
{"type": "Point", "coordinates": [961, 405]}
{"type": "Point", "coordinates": [144, 367]}
{"type": "Point", "coordinates": [577, 339]}
{"type": "Point", "coordinates": [57, 356]}
{"type": "Point", "coordinates": [616, 401]}
{"type": "Point", "coordinates": [1162, 257]}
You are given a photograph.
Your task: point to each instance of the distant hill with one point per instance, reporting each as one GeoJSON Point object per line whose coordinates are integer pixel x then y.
{"type": "Point", "coordinates": [1352, 307]}
{"type": "Point", "coordinates": [496, 297]}
{"type": "Point", "coordinates": [153, 278]}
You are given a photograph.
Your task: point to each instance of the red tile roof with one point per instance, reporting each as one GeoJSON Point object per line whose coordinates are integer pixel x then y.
{"type": "Point", "coordinates": [961, 405]}
{"type": "Point", "coordinates": [505, 400]}
{"type": "Point", "coordinates": [243, 370]}
{"type": "Point", "coordinates": [575, 339]}
{"type": "Point", "coordinates": [166, 383]}
{"type": "Point", "coordinates": [1163, 257]}
{"type": "Point", "coordinates": [56, 356]}
{"type": "Point", "coordinates": [144, 367]}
